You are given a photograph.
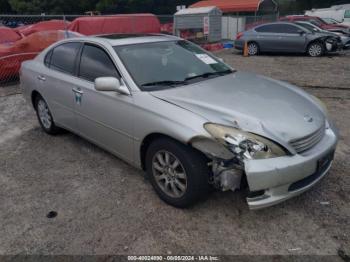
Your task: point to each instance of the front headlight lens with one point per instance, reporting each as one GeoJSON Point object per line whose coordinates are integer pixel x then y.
{"type": "Point", "coordinates": [244, 144]}
{"type": "Point", "coordinates": [321, 104]}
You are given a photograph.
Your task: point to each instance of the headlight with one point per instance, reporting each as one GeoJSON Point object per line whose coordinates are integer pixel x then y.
{"type": "Point", "coordinates": [321, 104]}
{"type": "Point", "coordinates": [244, 144]}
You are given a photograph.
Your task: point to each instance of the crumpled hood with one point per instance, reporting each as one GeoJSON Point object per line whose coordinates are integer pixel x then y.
{"type": "Point", "coordinates": [257, 104]}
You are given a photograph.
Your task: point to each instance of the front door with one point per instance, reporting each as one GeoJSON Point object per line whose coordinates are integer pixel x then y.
{"type": "Point", "coordinates": [293, 38]}
{"type": "Point", "coordinates": [103, 117]}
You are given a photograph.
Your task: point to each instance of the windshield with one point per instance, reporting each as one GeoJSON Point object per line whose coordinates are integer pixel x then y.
{"type": "Point", "coordinates": [161, 65]}
{"type": "Point", "coordinates": [317, 22]}
{"type": "Point", "coordinates": [331, 21]}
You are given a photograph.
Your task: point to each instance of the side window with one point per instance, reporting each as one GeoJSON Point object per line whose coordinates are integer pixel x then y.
{"type": "Point", "coordinates": [274, 28]}
{"type": "Point", "coordinates": [263, 29]}
{"type": "Point", "coordinates": [63, 57]}
{"type": "Point", "coordinates": [96, 63]}
{"type": "Point", "coordinates": [289, 29]}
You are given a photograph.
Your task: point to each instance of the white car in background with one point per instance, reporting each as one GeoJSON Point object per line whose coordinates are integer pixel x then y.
{"type": "Point", "coordinates": [339, 13]}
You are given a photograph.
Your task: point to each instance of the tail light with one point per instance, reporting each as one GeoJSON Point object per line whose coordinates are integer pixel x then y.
{"type": "Point", "coordinates": [239, 35]}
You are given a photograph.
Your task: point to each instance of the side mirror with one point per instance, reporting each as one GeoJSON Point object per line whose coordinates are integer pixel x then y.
{"type": "Point", "coordinates": [301, 32]}
{"type": "Point", "coordinates": [110, 84]}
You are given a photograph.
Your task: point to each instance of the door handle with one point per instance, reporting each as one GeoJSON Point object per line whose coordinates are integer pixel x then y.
{"type": "Point", "coordinates": [41, 78]}
{"type": "Point", "coordinates": [77, 90]}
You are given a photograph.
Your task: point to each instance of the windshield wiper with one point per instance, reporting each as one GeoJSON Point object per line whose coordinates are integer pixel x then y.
{"type": "Point", "coordinates": [165, 83]}
{"type": "Point", "coordinates": [208, 74]}
{"type": "Point", "coordinates": [184, 82]}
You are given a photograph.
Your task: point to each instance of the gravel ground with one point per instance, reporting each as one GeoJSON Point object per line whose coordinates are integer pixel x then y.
{"type": "Point", "coordinates": [104, 206]}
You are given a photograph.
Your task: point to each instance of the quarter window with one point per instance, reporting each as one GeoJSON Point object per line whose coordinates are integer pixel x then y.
{"type": "Point", "coordinates": [347, 14]}
{"type": "Point", "coordinates": [96, 63]}
{"type": "Point", "coordinates": [47, 60]}
{"type": "Point", "coordinates": [63, 57]}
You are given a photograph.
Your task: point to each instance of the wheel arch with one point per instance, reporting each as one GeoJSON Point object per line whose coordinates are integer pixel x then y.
{"type": "Point", "coordinates": [33, 96]}
{"type": "Point", "coordinates": [147, 141]}
{"type": "Point", "coordinates": [317, 40]}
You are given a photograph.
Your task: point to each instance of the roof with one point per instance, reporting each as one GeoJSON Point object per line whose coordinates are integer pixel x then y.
{"type": "Point", "coordinates": [338, 7]}
{"type": "Point", "coordinates": [231, 5]}
{"type": "Point", "coordinates": [129, 39]}
{"type": "Point", "coordinates": [198, 10]}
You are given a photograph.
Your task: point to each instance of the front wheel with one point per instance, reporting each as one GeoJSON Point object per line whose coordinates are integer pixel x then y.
{"type": "Point", "coordinates": [316, 49]}
{"type": "Point", "coordinates": [178, 173]}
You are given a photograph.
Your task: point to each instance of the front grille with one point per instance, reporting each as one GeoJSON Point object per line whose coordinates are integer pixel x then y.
{"type": "Point", "coordinates": [305, 143]}
{"type": "Point", "coordinates": [322, 166]}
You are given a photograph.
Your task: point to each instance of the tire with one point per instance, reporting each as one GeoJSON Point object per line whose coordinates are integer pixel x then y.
{"type": "Point", "coordinates": [316, 49]}
{"type": "Point", "coordinates": [44, 116]}
{"type": "Point", "coordinates": [183, 185]}
{"type": "Point", "coordinates": [253, 49]}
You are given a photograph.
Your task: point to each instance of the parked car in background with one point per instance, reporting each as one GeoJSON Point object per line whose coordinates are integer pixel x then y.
{"type": "Point", "coordinates": [317, 21]}
{"type": "Point", "coordinates": [345, 38]}
{"type": "Point", "coordinates": [284, 37]}
{"type": "Point", "coordinates": [340, 13]}
{"type": "Point", "coordinates": [331, 21]}
{"type": "Point", "coordinates": [189, 120]}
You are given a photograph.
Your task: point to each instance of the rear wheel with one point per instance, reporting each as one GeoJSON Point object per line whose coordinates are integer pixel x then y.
{"type": "Point", "coordinates": [44, 116]}
{"type": "Point", "coordinates": [178, 173]}
{"type": "Point", "coordinates": [316, 49]}
{"type": "Point", "coordinates": [253, 49]}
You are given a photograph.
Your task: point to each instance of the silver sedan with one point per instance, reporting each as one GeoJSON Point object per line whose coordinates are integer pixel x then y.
{"type": "Point", "coordinates": [189, 120]}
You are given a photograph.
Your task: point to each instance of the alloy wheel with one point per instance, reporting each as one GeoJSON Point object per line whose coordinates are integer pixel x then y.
{"type": "Point", "coordinates": [252, 49]}
{"type": "Point", "coordinates": [315, 50]}
{"type": "Point", "coordinates": [169, 174]}
{"type": "Point", "coordinates": [44, 114]}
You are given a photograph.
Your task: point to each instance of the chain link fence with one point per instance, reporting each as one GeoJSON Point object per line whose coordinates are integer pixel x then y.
{"type": "Point", "coordinates": [23, 37]}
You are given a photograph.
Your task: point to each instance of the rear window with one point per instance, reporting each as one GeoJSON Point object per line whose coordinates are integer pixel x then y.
{"type": "Point", "coordinates": [63, 57]}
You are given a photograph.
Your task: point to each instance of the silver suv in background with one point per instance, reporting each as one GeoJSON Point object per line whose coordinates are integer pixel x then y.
{"type": "Point", "coordinates": [284, 37]}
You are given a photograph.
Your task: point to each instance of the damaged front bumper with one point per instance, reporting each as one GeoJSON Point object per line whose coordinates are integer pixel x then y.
{"type": "Point", "coordinates": [270, 180]}
{"type": "Point", "coordinates": [275, 180]}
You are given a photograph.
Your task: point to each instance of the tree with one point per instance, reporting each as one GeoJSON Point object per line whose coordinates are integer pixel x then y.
{"type": "Point", "coordinates": [52, 6]}
{"type": "Point", "coordinates": [5, 7]}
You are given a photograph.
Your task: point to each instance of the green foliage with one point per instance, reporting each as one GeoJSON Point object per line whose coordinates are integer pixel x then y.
{"type": "Point", "coordinates": [52, 6]}
{"type": "Point", "coordinates": [5, 7]}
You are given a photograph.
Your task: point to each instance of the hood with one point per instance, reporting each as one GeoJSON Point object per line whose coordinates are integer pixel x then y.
{"type": "Point", "coordinates": [340, 28]}
{"type": "Point", "coordinates": [330, 26]}
{"type": "Point", "coordinates": [257, 104]}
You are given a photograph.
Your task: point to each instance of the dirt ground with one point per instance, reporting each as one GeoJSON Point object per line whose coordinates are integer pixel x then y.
{"type": "Point", "coordinates": [105, 206]}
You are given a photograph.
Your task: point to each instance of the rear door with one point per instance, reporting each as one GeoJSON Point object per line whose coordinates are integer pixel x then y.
{"type": "Point", "coordinates": [268, 38]}
{"type": "Point", "coordinates": [292, 38]}
{"type": "Point", "coordinates": [57, 79]}
{"type": "Point", "coordinates": [103, 117]}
